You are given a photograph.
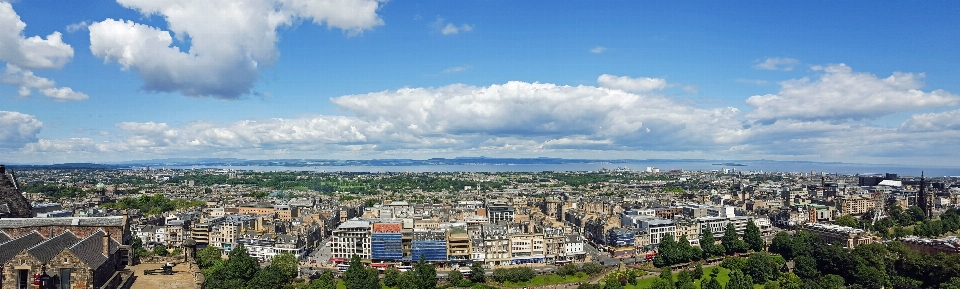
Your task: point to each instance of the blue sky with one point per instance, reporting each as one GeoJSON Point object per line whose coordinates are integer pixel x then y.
{"type": "Point", "coordinates": [852, 81]}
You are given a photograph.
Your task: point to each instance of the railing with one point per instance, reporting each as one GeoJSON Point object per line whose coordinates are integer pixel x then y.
{"type": "Point", "coordinates": [119, 280]}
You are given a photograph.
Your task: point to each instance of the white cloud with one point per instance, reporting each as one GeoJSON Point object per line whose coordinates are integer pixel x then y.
{"type": "Point", "coordinates": [542, 112]}
{"type": "Point", "coordinates": [626, 83]}
{"type": "Point", "coordinates": [457, 69]}
{"type": "Point", "coordinates": [776, 63]}
{"type": "Point", "coordinates": [840, 93]}
{"type": "Point", "coordinates": [29, 52]}
{"type": "Point", "coordinates": [598, 49]}
{"type": "Point", "coordinates": [229, 41]}
{"type": "Point", "coordinates": [27, 81]}
{"type": "Point", "coordinates": [927, 122]}
{"type": "Point", "coordinates": [82, 25]}
{"type": "Point", "coordinates": [18, 129]}
{"type": "Point", "coordinates": [32, 53]}
{"type": "Point", "coordinates": [449, 28]}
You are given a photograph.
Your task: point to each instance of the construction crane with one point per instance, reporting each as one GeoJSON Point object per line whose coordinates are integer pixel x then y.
{"type": "Point", "coordinates": [879, 200]}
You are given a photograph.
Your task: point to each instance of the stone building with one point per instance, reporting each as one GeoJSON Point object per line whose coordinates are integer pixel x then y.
{"type": "Point", "coordinates": [12, 202]}
{"type": "Point", "coordinates": [82, 252]}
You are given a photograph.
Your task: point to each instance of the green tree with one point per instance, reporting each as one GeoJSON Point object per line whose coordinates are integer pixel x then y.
{"type": "Point", "coordinates": [632, 276]}
{"type": "Point", "coordinates": [832, 282]}
{"type": "Point", "coordinates": [477, 274]}
{"type": "Point", "coordinates": [806, 267]}
{"type": "Point", "coordinates": [591, 268]}
{"type": "Point", "coordinates": [752, 237]}
{"type": "Point", "coordinates": [711, 284]}
{"type": "Point", "coordinates": [612, 282]}
{"type": "Point", "coordinates": [685, 251]}
{"type": "Point", "coordinates": [739, 280]}
{"type": "Point", "coordinates": [208, 256]}
{"type": "Point", "coordinates": [683, 278]}
{"type": "Point", "coordinates": [160, 250]}
{"type": "Point", "coordinates": [869, 277]}
{"type": "Point", "coordinates": [568, 269]}
{"type": "Point", "coordinates": [391, 277]}
{"type": "Point", "coordinates": [707, 243]}
{"type": "Point", "coordinates": [407, 280]}
{"type": "Point", "coordinates": [954, 283]}
{"type": "Point", "coordinates": [846, 220]}
{"type": "Point", "coordinates": [789, 280]}
{"type": "Point", "coordinates": [667, 252]}
{"type": "Point", "coordinates": [697, 272]}
{"type": "Point", "coordinates": [425, 275]}
{"type": "Point", "coordinates": [324, 282]}
{"type": "Point", "coordinates": [454, 276]}
{"type": "Point", "coordinates": [761, 268]}
{"type": "Point", "coordinates": [666, 274]}
{"type": "Point", "coordinates": [287, 264]}
{"type": "Point", "coordinates": [782, 244]}
{"type": "Point", "coordinates": [356, 275]}
{"type": "Point", "coordinates": [372, 279]}
{"type": "Point", "coordinates": [731, 240]}
{"type": "Point", "coordinates": [269, 277]}
{"type": "Point", "coordinates": [771, 285]}
{"type": "Point", "coordinates": [662, 284]}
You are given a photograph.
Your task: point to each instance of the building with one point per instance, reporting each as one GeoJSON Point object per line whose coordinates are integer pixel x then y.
{"type": "Point", "coordinates": [430, 245]}
{"type": "Point", "coordinates": [855, 205]}
{"type": "Point", "coordinates": [12, 202]}
{"type": "Point", "coordinates": [500, 213]}
{"type": "Point", "coordinates": [458, 246]}
{"type": "Point", "coordinates": [835, 234]}
{"type": "Point", "coordinates": [350, 238]}
{"type": "Point", "coordinates": [386, 242]}
{"type": "Point", "coordinates": [948, 245]}
{"type": "Point", "coordinates": [76, 252]}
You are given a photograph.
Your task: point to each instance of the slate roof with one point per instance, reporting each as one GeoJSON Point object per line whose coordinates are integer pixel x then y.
{"type": "Point", "coordinates": [4, 237]}
{"type": "Point", "coordinates": [90, 249]}
{"type": "Point", "coordinates": [48, 249]}
{"type": "Point", "coordinates": [115, 221]}
{"type": "Point", "coordinates": [13, 247]}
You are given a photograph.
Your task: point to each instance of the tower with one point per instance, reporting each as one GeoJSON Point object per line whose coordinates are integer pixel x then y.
{"type": "Point", "coordinates": [924, 201]}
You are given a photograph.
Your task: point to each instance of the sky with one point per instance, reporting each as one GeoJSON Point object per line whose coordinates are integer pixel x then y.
{"type": "Point", "coordinates": [836, 81]}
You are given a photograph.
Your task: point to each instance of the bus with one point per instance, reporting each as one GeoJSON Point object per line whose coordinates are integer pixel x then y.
{"type": "Point", "coordinates": [404, 268]}
{"type": "Point", "coordinates": [343, 267]}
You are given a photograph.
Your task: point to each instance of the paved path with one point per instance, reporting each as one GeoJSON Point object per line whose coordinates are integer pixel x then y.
{"type": "Point", "coordinates": [181, 278]}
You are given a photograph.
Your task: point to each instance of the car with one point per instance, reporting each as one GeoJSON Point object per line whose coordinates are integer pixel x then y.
{"type": "Point", "coordinates": [313, 261]}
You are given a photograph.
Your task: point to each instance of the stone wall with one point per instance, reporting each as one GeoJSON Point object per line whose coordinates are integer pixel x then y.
{"type": "Point", "coordinates": [11, 196]}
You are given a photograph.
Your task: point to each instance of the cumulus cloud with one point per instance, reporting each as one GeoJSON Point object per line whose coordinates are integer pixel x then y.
{"type": "Point", "coordinates": [449, 28]}
{"type": "Point", "coordinates": [598, 49]}
{"type": "Point", "coordinates": [25, 53]}
{"type": "Point", "coordinates": [840, 93]}
{"type": "Point", "coordinates": [776, 63]}
{"type": "Point", "coordinates": [29, 52]}
{"type": "Point", "coordinates": [926, 122]}
{"type": "Point", "coordinates": [542, 112]}
{"type": "Point", "coordinates": [228, 41]}
{"type": "Point", "coordinates": [82, 25]}
{"type": "Point", "coordinates": [27, 82]}
{"type": "Point", "coordinates": [626, 83]}
{"type": "Point", "coordinates": [18, 129]}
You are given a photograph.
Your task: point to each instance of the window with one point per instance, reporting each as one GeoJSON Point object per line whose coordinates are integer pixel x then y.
{"type": "Point", "coordinates": [23, 278]}
{"type": "Point", "coordinates": [65, 278]}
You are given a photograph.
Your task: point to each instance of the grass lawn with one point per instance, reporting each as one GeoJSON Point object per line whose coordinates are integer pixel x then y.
{"type": "Point", "coordinates": [723, 277]}
{"type": "Point", "coordinates": [548, 279]}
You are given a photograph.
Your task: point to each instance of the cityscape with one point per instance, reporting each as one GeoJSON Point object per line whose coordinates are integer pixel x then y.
{"type": "Point", "coordinates": [376, 144]}
{"type": "Point", "coordinates": [528, 229]}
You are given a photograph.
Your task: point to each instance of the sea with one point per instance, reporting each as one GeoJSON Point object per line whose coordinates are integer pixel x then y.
{"type": "Point", "coordinates": [663, 166]}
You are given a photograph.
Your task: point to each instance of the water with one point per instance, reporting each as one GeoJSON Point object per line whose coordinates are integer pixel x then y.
{"type": "Point", "coordinates": [765, 166]}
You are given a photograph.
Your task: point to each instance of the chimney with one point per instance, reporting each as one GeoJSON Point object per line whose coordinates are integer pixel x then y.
{"type": "Point", "coordinates": [106, 244]}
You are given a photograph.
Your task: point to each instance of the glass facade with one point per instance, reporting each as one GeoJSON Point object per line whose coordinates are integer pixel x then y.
{"type": "Point", "coordinates": [386, 246]}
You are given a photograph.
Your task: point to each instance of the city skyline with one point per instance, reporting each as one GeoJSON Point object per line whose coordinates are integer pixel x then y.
{"type": "Point", "coordinates": [105, 81]}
